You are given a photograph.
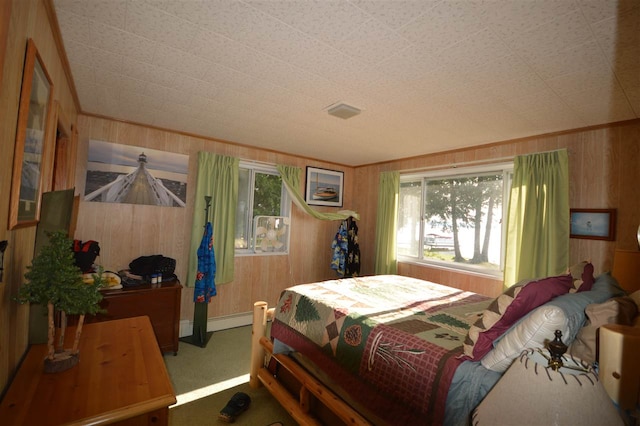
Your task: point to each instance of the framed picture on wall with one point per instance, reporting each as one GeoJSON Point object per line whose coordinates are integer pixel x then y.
{"type": "Point", "coordinates": [32, 136]}
{"type": "Point", "coordinates": [130, 174]}
{"type": "Point", "coordinates": [324, 187]}
{"type": "Point", "coordinates": [593, 224]}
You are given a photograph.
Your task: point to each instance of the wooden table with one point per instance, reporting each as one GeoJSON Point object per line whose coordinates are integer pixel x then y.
{"type": "Point", "coordinates": [121, 379]}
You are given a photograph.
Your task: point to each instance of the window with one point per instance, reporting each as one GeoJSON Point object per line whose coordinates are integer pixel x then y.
{"type": "Point", "coordinates": [261, 192]}
{"type": "Point", "coordinates": [454, 220]}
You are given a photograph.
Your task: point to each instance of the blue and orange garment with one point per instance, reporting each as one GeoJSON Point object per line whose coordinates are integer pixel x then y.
{"type": "Point", "coordinates": [205, 286]}
{"type": "Point", "coordinates": [339, 247]}
{"type": "Point", "coordinates": [345, 259]}
{"type": "Point", "coordinates": [352, 261]}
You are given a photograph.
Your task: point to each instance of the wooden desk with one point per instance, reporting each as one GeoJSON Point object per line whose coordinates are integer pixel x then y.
{"type": "Point", "coordinates": [121, 379]}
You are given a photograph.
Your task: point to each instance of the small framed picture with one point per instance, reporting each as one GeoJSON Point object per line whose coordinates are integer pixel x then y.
{"type": "Point", "coordinates": [593, 224]}
{"type": "Point", "coordinates": [324, 187]}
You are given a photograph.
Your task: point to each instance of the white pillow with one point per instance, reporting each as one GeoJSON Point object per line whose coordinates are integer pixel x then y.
{"type": "Point", "coordinates": [533, 331]}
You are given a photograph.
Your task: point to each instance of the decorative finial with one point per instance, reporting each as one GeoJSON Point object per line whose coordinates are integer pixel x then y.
{"type": "Point", "coordinates": [556, 348]}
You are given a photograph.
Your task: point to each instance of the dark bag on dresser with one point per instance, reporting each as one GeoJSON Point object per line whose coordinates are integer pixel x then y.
{"type": "Point", "coordinates": [146, 266]}
{"type": "Point", "coordinates": [85, 254]}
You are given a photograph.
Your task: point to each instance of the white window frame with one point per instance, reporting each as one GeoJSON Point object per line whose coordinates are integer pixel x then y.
{"type": "Point", "coordinates": [507, 171]}
{"type": "Point", "coordinates": [285, 206]}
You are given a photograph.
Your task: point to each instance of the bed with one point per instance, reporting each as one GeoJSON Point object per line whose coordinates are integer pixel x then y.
{"type": "Point", "coordinates": [395, 350]}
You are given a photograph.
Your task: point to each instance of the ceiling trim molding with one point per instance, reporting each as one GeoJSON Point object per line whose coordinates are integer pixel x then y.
{"type": "Point", "coordinates": [380, 163]}
{"type": "Point", "coordinates": [210, 139]}
{"type": "Point", "coordinates": [57, 38]}
{"type": "Point", "coordinates": [509, 141]}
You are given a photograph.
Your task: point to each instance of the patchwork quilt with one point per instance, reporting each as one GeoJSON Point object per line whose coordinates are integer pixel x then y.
{"type": "Point", "coordinates": [392, 342]}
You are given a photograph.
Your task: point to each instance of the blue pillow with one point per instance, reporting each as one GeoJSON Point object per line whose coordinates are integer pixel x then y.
{"type": "Point", "coordinates": [604, 288]}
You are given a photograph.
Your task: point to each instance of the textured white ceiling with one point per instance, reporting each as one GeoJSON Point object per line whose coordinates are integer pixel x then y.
{"type": "Point", "coordinates": [428, 75]}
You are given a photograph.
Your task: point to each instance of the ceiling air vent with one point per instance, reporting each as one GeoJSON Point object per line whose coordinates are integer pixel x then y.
{"type": "Point", "coordinates": [343, 110]}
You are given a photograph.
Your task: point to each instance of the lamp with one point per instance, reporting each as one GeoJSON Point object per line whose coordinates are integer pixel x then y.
{"type": "Point", "coordinates": [619, 367]}
{"type": "Point", "coordinates": [626, 268]}
{"type": "Point", "coordinates": [532, 393]}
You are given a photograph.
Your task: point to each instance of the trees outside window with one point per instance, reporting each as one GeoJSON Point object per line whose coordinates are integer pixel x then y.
{"type": "Point", "coordinates": [261, 192]}
{"type": "Point", "coordinates": [454, 220]}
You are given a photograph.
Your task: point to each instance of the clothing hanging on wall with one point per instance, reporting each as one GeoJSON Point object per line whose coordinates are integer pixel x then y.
{"type": "Point", "coordinates": [205, 285]}
{"type": "Point", "coordinates": [352, 264]}
{"type": "Point", "coordinates": [346, 250]}
{"type": "Point", "coordinates": [339, 248]}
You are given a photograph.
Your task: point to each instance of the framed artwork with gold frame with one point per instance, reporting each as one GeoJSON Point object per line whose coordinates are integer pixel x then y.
{"type": "Point", "coordinates": [32, 136]}
{"type": "Point", "coordinates": [324, 187]}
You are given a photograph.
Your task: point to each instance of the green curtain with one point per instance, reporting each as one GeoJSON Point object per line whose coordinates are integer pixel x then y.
{"type": "Point", "coordinates": [386, 223]}
{"type": "Point", "coordinates": [538, 218]}
{"type": "Point", "coordinates": [218, 179]}
{"type": "Point", "coordinates": [291, 178]}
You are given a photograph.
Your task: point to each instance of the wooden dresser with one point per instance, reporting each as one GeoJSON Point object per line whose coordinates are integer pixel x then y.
{"type": "Point", "coordinates": [121, 379]}
{"type": "Point", "coordinates": [160, 302]}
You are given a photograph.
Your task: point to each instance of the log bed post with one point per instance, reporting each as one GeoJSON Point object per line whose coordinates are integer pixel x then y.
{"type": "Point", "coordinates": [258, 330]}
{"type": "Point", "coordinates": [298, 406]}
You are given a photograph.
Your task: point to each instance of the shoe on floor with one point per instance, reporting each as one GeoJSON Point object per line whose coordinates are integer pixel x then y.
{"type": "Point", "coordinates": [237, 405]}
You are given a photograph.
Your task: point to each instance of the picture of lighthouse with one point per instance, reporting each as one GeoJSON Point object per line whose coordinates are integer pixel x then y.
{"type": "Point", "coordinates": [130, 174]}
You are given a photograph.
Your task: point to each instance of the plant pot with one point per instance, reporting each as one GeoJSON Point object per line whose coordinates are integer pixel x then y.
{"type": "Point", "coordinates": [61, 361]}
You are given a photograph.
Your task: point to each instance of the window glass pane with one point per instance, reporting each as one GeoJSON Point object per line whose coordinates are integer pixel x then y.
{"type": "Point", "coordinates": [267, 195]}
{"type": "Point", "coordinates": [408, 237]}
{"type": "Point", "coordinates": [243, 209]}
{"type": "Point", "coordinates": [261, 192]}
{"type": "Point", "coordinates": [463, 220]}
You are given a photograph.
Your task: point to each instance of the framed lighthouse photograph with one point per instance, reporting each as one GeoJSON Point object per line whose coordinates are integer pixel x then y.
{"type": "Point", "coordinates": [129, 174]}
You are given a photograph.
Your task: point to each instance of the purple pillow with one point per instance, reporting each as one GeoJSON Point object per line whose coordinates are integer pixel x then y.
{"type": "Point", "coordinates": [508, 308]}
{"type": "Point", "coordinates": [587, 278]}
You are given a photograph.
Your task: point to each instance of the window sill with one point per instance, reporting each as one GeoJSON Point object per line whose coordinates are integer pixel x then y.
{"type": "Point", "coordinates": [248, 253]}
{"type": "Point", "coordinates": [468, 270]}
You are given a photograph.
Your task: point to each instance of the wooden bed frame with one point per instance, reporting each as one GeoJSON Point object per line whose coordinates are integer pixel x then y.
{"type": "Point", "coordinates": [306, 399]}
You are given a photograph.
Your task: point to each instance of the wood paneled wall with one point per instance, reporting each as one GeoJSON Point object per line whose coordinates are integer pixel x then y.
{"type": "Point", "coordinates": [126, 231]}
{"type": "Point", "coordinates": [26, 19]}
{"type": "Point", "coordinates": [604, 173]}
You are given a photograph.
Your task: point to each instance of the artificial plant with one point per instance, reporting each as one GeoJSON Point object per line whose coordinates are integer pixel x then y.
{"type": "Point", "coordinates": [54, 280]}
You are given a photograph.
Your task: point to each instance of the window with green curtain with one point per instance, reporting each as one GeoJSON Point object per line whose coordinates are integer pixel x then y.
{"type": "Point", "coordinates": [454, 218]}
{"type": "Point", "coordinates": [538, 217]}
{"type": "Point", "coordinates": [217, 178]}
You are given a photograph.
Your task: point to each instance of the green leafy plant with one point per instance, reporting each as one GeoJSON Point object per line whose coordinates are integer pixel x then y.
{"type": "Point", "coordinates": [54, 280]}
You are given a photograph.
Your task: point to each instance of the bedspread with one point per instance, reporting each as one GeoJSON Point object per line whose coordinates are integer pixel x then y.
{"type": "Point", "coordinates": [393, 342]}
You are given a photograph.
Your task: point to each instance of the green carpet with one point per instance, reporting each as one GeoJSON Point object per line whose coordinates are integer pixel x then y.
{"type": "Point", "coordinates": [264, 409]}
{"type": "Point", "coordinates": [204, 380]}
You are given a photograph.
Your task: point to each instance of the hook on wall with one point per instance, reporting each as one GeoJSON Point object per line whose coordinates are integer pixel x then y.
{"type": "Point", "coordinates": [207, 200]}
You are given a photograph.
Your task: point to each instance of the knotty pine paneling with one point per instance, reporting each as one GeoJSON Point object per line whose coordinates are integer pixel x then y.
{"type": "Point", "coordinates": [469, 282]}
{"type": "Point", "coordinates": [20, 20]}
{"type": "Point", "coordinates": [604, 173]}
{"type": "Point", "coordinates": [126, 231]}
